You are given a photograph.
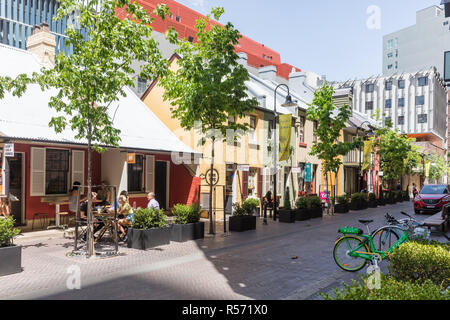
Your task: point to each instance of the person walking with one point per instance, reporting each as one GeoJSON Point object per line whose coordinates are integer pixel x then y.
{"type": "Point", "coordinates": [414, 190]}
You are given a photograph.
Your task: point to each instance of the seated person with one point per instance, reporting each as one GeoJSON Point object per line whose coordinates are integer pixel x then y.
{"type": "Point", "coordinates": [126, 211]}
{"type": "Point", "coordinates": [116, 203]}
{"type": "Point", "coordinates": [5, 207]}
{"type": "Point", "coordinates": [73, 197]}
{"type": "Point", "coordinates": [104, 194]}
{"type": "Point", "coordinates": [83, 215]}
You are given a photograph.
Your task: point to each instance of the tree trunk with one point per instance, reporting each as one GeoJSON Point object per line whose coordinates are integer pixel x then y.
{"type": "Point", "coordinates": [90, 231]}
{"type": "Point", "coordinates": [211, 226]}
{"type": "Point", "coordinates": [325, 189]}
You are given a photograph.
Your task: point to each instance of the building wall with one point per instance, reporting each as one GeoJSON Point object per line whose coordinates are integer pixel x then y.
{"type": "Point", "coordinates": [420, 46]}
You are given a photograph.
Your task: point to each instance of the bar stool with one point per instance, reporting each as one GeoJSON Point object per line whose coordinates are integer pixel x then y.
{"type": "Point", "coordinates": [43, 219]}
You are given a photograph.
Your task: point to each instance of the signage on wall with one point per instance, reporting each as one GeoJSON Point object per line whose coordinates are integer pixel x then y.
{"type": "Point", "coordinates": [296, 170]}
{"type": "Point", "coordinates": [243, 168]}
{"type": "Point", "coordinates": [131, 158]}
{"type": "Point", "coordinates": [380, 173]}
{"type": "Point", "coordinates": [9, 149]}
{"type": "Point", "coordinates": [308, 172]}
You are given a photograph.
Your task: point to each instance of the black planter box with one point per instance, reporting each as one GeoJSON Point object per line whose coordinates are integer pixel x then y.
{"type": "Point", "coordinates": [406, 198]}
{"type": "Point", "coordinates": [286, 216]}
{"type": "Point", "coordinates": [315, 212]}
{"type": "Point", "coordinates": [302, 215]}
{"type": "Point", "coordinates": [372, 204]}
{"type": "Point", "coordinates": [341, 208]}
{"type": "Point", "coordinates": [187, 232]}
{"type": "Point", "coordinates": [381, 202]}
{"type": "Point", "coordinates": [390, 201]}
{"type": "Point", "coordinates": [146, 239]}
{"type": "Point", "coordinates": [242, 223]}
{"type": "Point", "coordinates": [356, 206]}
{"type": "Point", "coordinates": [10, 260]}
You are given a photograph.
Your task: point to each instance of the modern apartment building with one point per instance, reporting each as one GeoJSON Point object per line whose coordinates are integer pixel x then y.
{"type": "Point", "coordinates": [18, 17]}
{"type": "Point", "coordinates": [415, 103]}
{"type": "Point", "coordinates": [421, 46]}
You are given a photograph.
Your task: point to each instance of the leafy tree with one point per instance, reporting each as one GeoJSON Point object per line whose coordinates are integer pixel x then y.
{"type": "Point", "coordinates": [209, 86]}
{"type": "Point", "coordinates": [331, 121]}
{"type": "Point", "coordinates": [95, 74]}
{"type": "Point", "coordinates": [437, 168]}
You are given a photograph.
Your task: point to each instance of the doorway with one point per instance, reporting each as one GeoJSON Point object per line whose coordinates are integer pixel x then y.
{"type": "Point", "coordinates": [162, 184]}
{"type": "Point", "coordinates": [16, 187]}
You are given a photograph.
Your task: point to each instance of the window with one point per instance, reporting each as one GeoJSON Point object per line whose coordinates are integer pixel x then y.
{"type": "Point", "coordinates": [401, 120]}
{"type": "Point", "coordinates": [191, 39]}
{"type": "Point", "coordinates": [401, 84]}
{"type": "Point", "coordinates": [369, 105]}
{"type": "Point", "coordinates": [142, 85]}
{"type": "Point", "coordinates": [422, 118]}
{"type": "Point", "coordinates": [447, 66]}
{"type": "Point", "coordinates": [252, 130]}
{"type": "Point", "coordinates": [420, 100]}
{"type": "Point", "coordinates": [301, 130]}
{"type": "Point", "coordinates": [177, 18]}
{"type": "Point", "coordinates": [135, 172]}
{"type": "Point", "coordinates": [388, 85]}
{"type": "Point", "coordinates": [390, 55]}
{"type": "Point", "coordinates": [388, 103]}
{"type": "Point", "coordinates": [390, 44]}
{"type": "Point", "coordinates": [315, 124]}
{"type": "Point", "coordinates": [56, 171]}
{"type": "Point", "coordinates": [370, 87]}
{"type": "Point", "coordinates": [423, 81]}
{"type": "Point", "coordinates": [401, 102]}
{"type": "Point", "coordinates": [390, 66]}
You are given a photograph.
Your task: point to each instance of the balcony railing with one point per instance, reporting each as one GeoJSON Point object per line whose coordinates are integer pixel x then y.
{"type": "Point", "coordinates": [351, 157]}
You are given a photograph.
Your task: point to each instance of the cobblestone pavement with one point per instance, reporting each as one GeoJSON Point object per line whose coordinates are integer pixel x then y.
{"type": "Point", "coordinates": [250, 265]}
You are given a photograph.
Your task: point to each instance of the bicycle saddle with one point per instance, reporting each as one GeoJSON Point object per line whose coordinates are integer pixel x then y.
{"type": "Point", "coordinates": [366, 221]}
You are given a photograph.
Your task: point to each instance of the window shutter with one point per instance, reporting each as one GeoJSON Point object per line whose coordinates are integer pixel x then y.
{"type": "Point", "coordinates": [279, 183]}
{"type": "Point", "coordinates": [37, 183]}
{"type": "Point", "coordinates": [78, 168]}
{"type": "Point", "coordinates": [259, 183]}
{"type": "Point", "coordinates": [245, 184]}
{"type": "Point", "coordinates": [150, 174]}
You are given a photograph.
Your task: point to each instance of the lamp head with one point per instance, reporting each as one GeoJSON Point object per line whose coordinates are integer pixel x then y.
{"type": "Point", "coordinates": [289, 102]}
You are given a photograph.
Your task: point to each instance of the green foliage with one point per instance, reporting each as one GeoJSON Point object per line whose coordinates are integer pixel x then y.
{"type": "Point", "coordinates": [330, 125]}
{"type": "Point", "coordinates": [391, 289]}
{"type": "Point", "coordinates": [7, 232]}
{"type": "Point", "coordinates": [372, 196]}
{"type": "Point", "coordinates": [250, 205]}
{"type": "Point", "coordinates": [149, 218]}
{"type": "Point", "coordinates": [301, 203]}
{"type": "Point", "coordinates": [314, 202]}
{"type": "Point", "coordinates": [437, 167]}
{"type": "Point", "coordinates": [342, 199]}
{"type": "Point", "coordinates": [210, 85]}
{"type": "Point", "coordinates": [287, 200]}
{"type": "Point", "coordinates": [356, 197]}
{"type": "Point", "coordinates": [419, 261]}
{"type": "Point", "coordinates": [239, 210]}
{"type": "Point", "coordinates": [185, 214]}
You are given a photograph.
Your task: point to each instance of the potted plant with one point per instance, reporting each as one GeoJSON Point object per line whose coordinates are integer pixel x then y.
{"type": "Point", "coordinates": [149, 229]}
{"type": "Point", "coordinates": [372, 200]}
{"type": "Point", "coordinates": [342, 204]}
{"type": "Point", "coordinates": [381, 201]}
{"type": "Point", "coordinates": [242, 219]}
{"type": "Point", "coordinates": [399, 196]}
{"type": "Point", "coordinates": [315, 207]}
{"type": "Point", "coordinates": [286, 214]}
{"type": "Point", "coordinates": [10, 254]}
{"type": "Point", "coordinates": [406, 196]}
{"type": "Point", "coordinates": [302, 212]}
{"type": "Point", "coordinates": [364, 200]}
{"type": "Point", "coordinates": [187, 224]}
{"type": "Point", "coordinates": [251, 205]}
{"type": "Point", "coordinates": [355, 203]}
{"type": "Point", "coordinates": [391, 198]}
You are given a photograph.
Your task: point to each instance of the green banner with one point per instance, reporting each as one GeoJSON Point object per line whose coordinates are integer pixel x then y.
{"type": "Point", "coordinates": [285, 121]}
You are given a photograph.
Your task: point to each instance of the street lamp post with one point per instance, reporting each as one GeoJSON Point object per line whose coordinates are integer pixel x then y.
{"type": "Point", "coordinates": [287, 103]}
{"type": "Point", "coordinates": [360, 151]}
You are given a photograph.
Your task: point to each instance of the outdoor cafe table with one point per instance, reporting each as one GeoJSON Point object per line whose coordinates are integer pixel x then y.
{"type": "Point", "coordinates": [109, 222]}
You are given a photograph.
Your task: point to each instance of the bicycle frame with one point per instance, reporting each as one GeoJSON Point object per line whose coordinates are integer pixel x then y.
{"type": "Point", "coordinates": [367, 240]}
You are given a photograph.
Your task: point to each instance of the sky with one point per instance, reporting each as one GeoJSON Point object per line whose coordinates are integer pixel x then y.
{"type": "Point", "coordinates": [341, 39]}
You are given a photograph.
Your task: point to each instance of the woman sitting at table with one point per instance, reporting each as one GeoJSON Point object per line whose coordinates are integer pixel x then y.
{"type": "Point", "coordinates": [73, 195]}
{"type": "Point", "coordinates": [126, 212]}
{"type": "Point", "coordinates": [104, 194]}
{"type": "Point", "coordinates": [5, 207]}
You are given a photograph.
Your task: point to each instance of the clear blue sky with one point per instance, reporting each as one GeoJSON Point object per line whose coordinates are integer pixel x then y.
{"type": "Point", "coordinates": [329, 37]}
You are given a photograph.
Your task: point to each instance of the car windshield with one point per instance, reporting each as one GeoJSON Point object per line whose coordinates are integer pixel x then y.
{"type": "Point", "coordinates": [434, 190]}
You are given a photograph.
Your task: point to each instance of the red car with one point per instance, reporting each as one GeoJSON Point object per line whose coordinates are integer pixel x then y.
{"type": "Point", "coordinates": [431, 199]}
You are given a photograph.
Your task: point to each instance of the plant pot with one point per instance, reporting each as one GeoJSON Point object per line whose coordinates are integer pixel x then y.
{"type": "Point", "coordinates": [286, 216]}
{"type": "Point", "coordinates": [10, 260]}
{"type": "Point", "coordinates": [381, 202]}
{"type": "Point", "coordinates": [341, 208]}
{"type": "Point", "coordinates": [406, 198]}
{"type": "Point", "coordinates": [152, 238]}
{"type": "Point", "coordinates": [372, 204]}
{"type": "Point", "coordinates": [315, 212]}
{"type": "Point", "coordinates": [356, 206]}
{"type": "Point", "coordinates": [134, 239]}
{"type": "Point", "coordinates": [302, 215]}
{"type": "Point", "coordinates": [187, 232]}
{"type": "Point", "coordinates": [390, 201]}
{"type": "Point", "coordinates": [242, 223]}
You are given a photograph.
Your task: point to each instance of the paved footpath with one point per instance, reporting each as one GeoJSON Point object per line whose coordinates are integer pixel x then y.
{"type": "Point", "coordinates": [250, 265]}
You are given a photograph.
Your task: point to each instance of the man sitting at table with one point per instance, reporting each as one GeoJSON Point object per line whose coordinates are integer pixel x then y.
{"type": "Point", "coordinates": [83, 215]}
{"type": "Point", "coordinates": [152, 202]}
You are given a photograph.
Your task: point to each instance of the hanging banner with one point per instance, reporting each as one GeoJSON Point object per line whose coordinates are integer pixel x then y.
{"type": "Point", "coordinates": [308, 172]}
{"type": "Point", "coordinates": [367, 155]}
{"type": "Point", "coordinates": [285, 121]}
{"type": "Point", "coordinates": [427, 167]}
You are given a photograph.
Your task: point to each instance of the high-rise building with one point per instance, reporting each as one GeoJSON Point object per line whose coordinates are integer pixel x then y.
{"type": "Point", "coordinates": [421, 46]}
{"type": "Point", "coordinates": [18, 17]}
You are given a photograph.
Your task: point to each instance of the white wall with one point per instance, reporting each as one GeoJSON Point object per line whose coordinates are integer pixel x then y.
{"type": "Point", "coordinates": [115, 169]}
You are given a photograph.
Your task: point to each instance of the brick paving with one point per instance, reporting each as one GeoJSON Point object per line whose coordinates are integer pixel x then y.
{"type": "Point", "coordinates": [250, 265]}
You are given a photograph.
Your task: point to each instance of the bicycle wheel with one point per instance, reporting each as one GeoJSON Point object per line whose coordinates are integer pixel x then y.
{"type": "Point", "coordinates": [341, 254]}
{"type": "Point", "coordinates": [384, 238]}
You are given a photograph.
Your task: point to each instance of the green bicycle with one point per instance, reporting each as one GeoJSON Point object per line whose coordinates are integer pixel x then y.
{"type": "Point", "coordinates": [355, 249]}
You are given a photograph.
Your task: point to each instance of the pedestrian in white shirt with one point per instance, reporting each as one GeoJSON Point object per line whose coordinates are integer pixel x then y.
{"type": "Point", "coordinates": [152, 203]}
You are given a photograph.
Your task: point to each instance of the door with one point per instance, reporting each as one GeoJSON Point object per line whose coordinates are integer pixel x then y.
{"type": "Point", "coordinates": [16, 187]}
{"type": "Point", "coordinates": [161, 185]}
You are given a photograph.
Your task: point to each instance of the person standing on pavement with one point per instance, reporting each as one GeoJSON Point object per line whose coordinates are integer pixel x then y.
{"type": "Point", "coordinates": [152, 202]}
{"type": "Point", "coordinates": [414, 190]}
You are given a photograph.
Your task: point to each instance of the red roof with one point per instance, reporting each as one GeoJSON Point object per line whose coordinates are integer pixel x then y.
{"type": "Point", "coordinates": [258, 54]}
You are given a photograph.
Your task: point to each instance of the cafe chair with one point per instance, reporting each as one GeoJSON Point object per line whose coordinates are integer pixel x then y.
{"type": "Point", "coordinates": [43, 220]}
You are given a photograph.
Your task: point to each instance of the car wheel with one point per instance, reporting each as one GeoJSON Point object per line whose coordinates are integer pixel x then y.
{"type": "Point", "coordinates": [416, 211]}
